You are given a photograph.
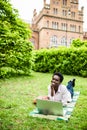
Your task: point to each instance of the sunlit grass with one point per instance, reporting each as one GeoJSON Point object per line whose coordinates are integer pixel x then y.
{"type": "Point", "coordinates": [17, 94]}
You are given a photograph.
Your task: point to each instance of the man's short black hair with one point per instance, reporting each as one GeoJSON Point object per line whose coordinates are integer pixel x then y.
{"type": "Point", "coordinates": [60, 75]}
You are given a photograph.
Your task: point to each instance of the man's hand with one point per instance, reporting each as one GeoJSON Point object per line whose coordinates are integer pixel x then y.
{"type": "Point", "coordinates": [45, 98]}
{"type": "Point", "coordinates": [52, 90]}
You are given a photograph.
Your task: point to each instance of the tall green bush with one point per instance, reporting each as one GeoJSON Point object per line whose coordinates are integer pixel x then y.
{"type": "Point", "coordinates": [15, 48]}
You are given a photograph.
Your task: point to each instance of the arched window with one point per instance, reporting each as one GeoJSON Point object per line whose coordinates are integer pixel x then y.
{"type": "Point", "coordinates": [63, 41]}
{"type": "Point", "coordinates": [54, 41]}
{"type": "Point", "coordinates": [71, 39]}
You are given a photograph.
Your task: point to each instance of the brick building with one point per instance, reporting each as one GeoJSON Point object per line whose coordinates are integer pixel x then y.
{"type": "Point", "coordinates": [58, 23]}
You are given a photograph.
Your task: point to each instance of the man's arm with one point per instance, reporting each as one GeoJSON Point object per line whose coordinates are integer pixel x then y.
{"type": "Point", "coordinates": [50, 93]}
{"type": "Point", "coordinates": [52, 90]}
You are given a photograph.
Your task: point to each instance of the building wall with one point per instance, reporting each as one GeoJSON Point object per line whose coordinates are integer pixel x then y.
{"type": "Point", "coordinates": [85, 36]}
{"type": "Point", "coordinates": [57, 24]}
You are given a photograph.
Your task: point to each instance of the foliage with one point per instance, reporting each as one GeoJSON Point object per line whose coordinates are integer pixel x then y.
{"type": "Point", "coordinates": [78, 43]}
{"type": "Point", "coordinates": [71, 61]}
{"type": "Point", "coordinates": [16, 104]}
{"type": "Point", "coordinates": [15, 49]}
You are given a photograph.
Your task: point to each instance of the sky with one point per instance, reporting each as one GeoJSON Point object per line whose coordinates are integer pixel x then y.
{"type": "Point", "coordinates": [26, 7]}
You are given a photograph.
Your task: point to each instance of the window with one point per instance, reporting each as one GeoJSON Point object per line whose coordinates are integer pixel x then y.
{"type": "Point", "coordinates": [79, 28]}
{"type": "Point", "coordinates": [64, 26]}
{"type": "Point", "coordinates": [71, 39]}
{"type": "Point", "coordinates": [55, 11]}
{"type": "Point", "coordinates": [47, 24]}
{"type": "Point", "coordinates": [54, 41]}
{"type": "Point", "coordinates": [75, 1]}
{"type": "Point", "coordinates": [73, 28]}
{"type": "Point", "coordinates": [33, 42]}
{"type": "Point", "coordinates": [64, 12]}
{"type": "Point", "coordinates": [73, 14]}
{"type": "Point", "coordinates": [55, 2]}
{"type": "Point", "coordinates": [65, 2]}
{"type": "Point", "coordinates": [55, 25]}
{"type": "Point", "coordinates": [63, 41]}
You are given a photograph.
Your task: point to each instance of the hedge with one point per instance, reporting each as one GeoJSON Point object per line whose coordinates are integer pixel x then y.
{"type": "Point", "coordinates": [70, 61]}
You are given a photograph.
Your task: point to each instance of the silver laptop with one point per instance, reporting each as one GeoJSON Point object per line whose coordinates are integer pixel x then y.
{"type": "Point", "coordinates": [48, 107]}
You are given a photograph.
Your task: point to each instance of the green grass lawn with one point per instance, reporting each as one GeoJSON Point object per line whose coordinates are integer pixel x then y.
{"type": "Point", "coordinates": [17, 94]}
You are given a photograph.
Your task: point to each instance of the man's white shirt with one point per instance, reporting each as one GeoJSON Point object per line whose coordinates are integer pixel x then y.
{"type": "Point", "coordinates": [62, 95]}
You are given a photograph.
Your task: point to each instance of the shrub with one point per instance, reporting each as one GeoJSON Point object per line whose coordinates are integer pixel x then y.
{"type": "Point", "coordinates": [15, 48]}
{"type": "Point", "coordinates": [71, 61]}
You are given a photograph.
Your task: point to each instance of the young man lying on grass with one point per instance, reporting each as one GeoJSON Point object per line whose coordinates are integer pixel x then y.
{"type": "Point", "coordinates": [59, 92]}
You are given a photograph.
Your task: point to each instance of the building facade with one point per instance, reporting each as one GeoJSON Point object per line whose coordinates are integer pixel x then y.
{"type": "Point", "coordinates": [84, 35]}
{"type": "Point", "coordinates": [57, 24]}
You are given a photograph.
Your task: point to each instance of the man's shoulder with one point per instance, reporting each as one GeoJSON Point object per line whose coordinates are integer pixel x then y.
{"type": "Point", "coordinates": [62, 87]}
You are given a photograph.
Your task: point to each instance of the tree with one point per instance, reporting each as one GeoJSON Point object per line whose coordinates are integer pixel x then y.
{"type": "Point", "coordinates": [15, 48]}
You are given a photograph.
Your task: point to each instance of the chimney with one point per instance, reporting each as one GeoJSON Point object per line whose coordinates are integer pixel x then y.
{"type": "Point", "coordinates": [44, 2]}
{"type": "Point", "coordinates": [82, 8]}
{"type": "Point", "coordinates": [34, 13]}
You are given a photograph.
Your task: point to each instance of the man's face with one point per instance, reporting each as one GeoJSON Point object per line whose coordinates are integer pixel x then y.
{"type": "Point", "coordinates": [55, 81]}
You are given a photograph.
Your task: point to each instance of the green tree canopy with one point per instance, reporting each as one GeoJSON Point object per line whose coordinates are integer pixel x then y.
{"type": "Point", "coordinates": [15, 48]}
